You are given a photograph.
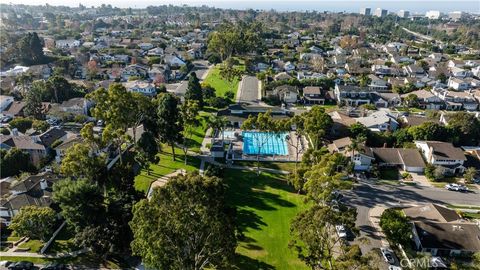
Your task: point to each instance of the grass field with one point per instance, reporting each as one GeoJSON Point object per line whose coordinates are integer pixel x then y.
{"type": "Point", "coordinates": [165, 166]}
{"type": "Point", "coordinates": [265, 207]}
{"type": "Point", "coordinates": [34, 246]}
{"type": "Point", "coordinates": [221, 85]}
{"type": "Point", "coordinates": [199, 132]}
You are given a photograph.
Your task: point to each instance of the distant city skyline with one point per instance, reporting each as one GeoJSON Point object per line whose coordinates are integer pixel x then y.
{"type": "Point", "coordinates": [472, 6]}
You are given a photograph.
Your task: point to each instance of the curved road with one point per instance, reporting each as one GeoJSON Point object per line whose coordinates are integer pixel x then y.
{"type": "Point", "coordinates": [367, 196]}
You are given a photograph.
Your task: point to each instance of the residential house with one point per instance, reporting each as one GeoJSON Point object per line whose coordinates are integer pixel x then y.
{"type": "Point", "coordinates": [413, 120]}
{"type": "Point", "coordinates": [458, 84]}
{"type": "Point", "coordinates": [134, 71]}
{"type": "Point", "coordinates": [459, 72]}
{"type": "Point", "coordinates": [446, 239]}
{"type": "Point", "coordinates": [236, 114]}
{"type": "Point", "coordinates": [414, 70]}
{"type": "Point", "coordinates": [53, 134]}
{"type": "Point", "coordinates": [409, 160]}
{"type": "Point", "coordinates": [362, 159]}
{"type": "Point", "coordinates": [67, 43]}
{"type": "Point", "coordinates": [5, 102]}
{"type": "Point", "coordinates": [142, 87]}
{"type": "Point", "coordinates": [352, 95]}
{"type": "Point", "coordinates": [29, 144]}
{"type": "Point", "coordinates": [426, 99]}
{"type": "Point", "coordinates": [282, 76]}
{"type": "Point", "coordinates": [341, 123]}
{"type": "Point", "coordinates": [286, 93]}
{"type": "Point", "coordinates": [444, 155]}
{"type": "Point", "coordinates": [174, 60]}
{"type": "Point", "coordinates": [289, 66]}
{"type": "Point", "coordinates": [384, 100]}
{"type": "Point", "coordinates": [313, 95]}
{"type": "Point", "coordinates": [377, 84]}
{"type": "Point", "coordinates": [379, 121]}
{"type": "Point", "coordinates": [457, 100]}
{"type": "Point", "coordinates": [381, 70]}
{"type": "Point", "coordinates": [145, 46]}
{"type": "Point", "coordinates": [34, 190]}
{"type": "Point", "coordinates": [75, 106]}
{"type": "Point", "coordinates": [155, 52]}
{"type": "Point", "coordinates": [61, 149]}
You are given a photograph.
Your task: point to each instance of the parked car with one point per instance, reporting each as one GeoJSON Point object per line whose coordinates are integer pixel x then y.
{"type": "Point", "coordinates": [55, 266]}
{"type": "Point", "coordinates": [21, 265]}
{"type": "Point", "coordinates": [393, 267]}
{"type": "Point", "coordinates": [388, 255]}
{"type": "Point", "coordinates": [341, 231]}
{"type": "Point", "coordinates": [5, 263]}
{"type": "Point", "coordinates": [456, 187]}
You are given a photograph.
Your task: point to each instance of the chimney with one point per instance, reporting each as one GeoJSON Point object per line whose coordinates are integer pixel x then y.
{"type": "Point", "coordinates": [384, 145]}
{"type": "Point", "coordinates": [15, 132]}
{"type": "Point", "coordinates": [43, 184]}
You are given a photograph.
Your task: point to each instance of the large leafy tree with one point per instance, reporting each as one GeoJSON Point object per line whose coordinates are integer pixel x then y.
{"type": "Point", "coordinates": [147, 150]}
{"type": "Point", "coordinates": [81, 162]}
{"type": "Point", "coordinates": [396, 226]}
{"type": "Point", "coordinates": [33, 100]}
{"type": "Point", "coordinates": [14, 161]}
{"type": "Point", "coordinates": [185, 225]}
{"type": "Point", "coordinates": [466, 127]}
{"type": "Point", "coordinates": [317, 124]}
{"type": "Point", "coordinates": [194, 90]}
{"type": "Point", "coordinates": [429, 131]}
{"type": "Point", "coordinates": [81, 202]}
{"type": "Point", "coordinates": [314, 236]}
{"type": "Point", "coordinates": [34, 222]}
{"type": "Point", "coordinates": [169, 120]}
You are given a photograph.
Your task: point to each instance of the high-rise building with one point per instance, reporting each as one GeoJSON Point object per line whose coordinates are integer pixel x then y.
{"type": "Point", "coordinates": [403, 13]}
{"type": "Point", "coordinates": [433, 14]}
{"type": "Point", "coordinates": [380, 12]}
{"type": "Point", "coordinates": [366, 11]}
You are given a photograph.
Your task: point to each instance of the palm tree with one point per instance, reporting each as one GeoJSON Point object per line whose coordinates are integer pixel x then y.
{"type": "Point", "coordinates": [218, 123]}
{"type": "Point", "coordinates": [356, 145]}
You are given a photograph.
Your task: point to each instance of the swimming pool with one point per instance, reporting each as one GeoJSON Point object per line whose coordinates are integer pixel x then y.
{"type": "Point", "coordinates": [269, 143]}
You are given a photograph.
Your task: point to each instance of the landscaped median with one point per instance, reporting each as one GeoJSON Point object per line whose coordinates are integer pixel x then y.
{"type": "Point", "coordinates": [221, 85]}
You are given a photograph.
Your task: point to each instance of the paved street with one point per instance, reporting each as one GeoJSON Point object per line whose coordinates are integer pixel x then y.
{"type": "Point", "coordinates": [368, 198]}
{"type": "Point", "coordinates": [248, 89]}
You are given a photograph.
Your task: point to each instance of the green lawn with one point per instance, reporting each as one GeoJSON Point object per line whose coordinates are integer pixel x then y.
{"type": "Point", "coordinates": [199, 133]}
{"type": "Point", "coordinates": [221, 85]}
{"type": "Point", "coordinates": [34, 246]}
{"type": "Point", "coordinates": [165, 166]}
{"type": "Point", "coordinates": [64, 242]}
{"type": "Point", "coordinates": [265, 207]}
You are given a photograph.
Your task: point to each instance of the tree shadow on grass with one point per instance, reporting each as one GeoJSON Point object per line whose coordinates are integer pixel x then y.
{"type": "Point", "coordinates": [243, 262]}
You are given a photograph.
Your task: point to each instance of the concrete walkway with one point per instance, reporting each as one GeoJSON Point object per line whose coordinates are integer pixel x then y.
{"type": "Point", "coordinates": [9, 253]}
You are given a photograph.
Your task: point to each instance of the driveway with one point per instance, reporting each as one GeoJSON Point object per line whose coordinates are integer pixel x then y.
{"type": "Point", "coordinates": [248, 89]}
{"type": "Point", "coordinates": [370, 199]}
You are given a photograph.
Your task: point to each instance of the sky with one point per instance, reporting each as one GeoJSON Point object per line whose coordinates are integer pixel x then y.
{"type": "Point", "coordinates": [472, 6]}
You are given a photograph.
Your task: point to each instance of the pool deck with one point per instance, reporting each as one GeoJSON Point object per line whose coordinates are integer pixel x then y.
{"type": "Point", "coordinates": [236, 152]}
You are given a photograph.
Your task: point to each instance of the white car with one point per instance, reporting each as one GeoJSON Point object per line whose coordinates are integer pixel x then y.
{"type": "Point", "coordinates": [393, 267]}
{"type": "Point", "coordinates": [342, 233]}
{"type": "Point", "coordinates": [456, 187]}
{"type": "Point", "coordinates": [388, 255]}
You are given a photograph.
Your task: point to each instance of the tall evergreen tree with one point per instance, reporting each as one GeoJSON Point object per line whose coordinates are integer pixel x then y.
{"type": "Point", "coordinates": [194, 89]}
{"type": "Point", "coordinates": [169, 120]}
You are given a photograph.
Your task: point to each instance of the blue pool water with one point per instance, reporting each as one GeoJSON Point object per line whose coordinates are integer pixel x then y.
{"type": "Point", "coordinates": [269, 143]}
